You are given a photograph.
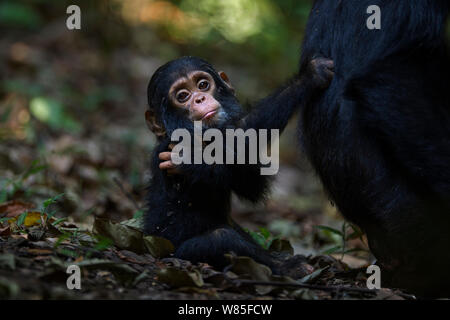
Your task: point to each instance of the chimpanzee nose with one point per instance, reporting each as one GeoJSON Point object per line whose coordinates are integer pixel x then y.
{"type": "Point", "coordinates": [200, 99]}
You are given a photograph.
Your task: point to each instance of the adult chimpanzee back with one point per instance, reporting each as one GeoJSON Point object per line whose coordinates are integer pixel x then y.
{"type": "Point", "coordinates": [379, 137]}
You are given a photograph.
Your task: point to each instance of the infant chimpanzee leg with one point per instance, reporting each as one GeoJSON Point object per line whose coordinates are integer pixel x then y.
{"type": "Point", "coordinates": [212, 246]}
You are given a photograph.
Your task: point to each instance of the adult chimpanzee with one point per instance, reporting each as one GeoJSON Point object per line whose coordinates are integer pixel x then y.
{"type": "Point", "coordinates": [189, 204]}
{"type": "Point", "coordinates": [379, 138]}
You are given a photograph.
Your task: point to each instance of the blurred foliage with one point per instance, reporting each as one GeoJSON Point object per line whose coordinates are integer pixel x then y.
{"type": "Point", "coordinates": [52, 112]}
{"type": "Point", "coordinates": [20, 15]}
{"type": "Point", "coordinates": [245, 32]}
{"type": "Point", "coordinates": [55, 81]}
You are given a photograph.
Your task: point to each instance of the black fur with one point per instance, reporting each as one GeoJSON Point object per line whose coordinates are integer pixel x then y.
{"type": "Point", "coordinates": [379, 137]}
{"type": "Point", "coordinates": [192, 209]}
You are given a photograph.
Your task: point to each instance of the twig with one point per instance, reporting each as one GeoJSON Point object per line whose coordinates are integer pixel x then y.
{"type": "Point", "coordinates": [315, 287]}
{"type": "Point", "coordinates": [303, 285]}
{"type": "Point", "coordinates": [127, 194]}
{"type": "Point", "coordinates": [239, 282]}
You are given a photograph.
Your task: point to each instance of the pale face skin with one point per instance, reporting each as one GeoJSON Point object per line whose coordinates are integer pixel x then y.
{"type": "Point", "coordinates": [196, 94]}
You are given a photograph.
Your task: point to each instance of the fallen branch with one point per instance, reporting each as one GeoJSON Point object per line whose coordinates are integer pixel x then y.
{"type": "Point", "coordinates": [239, 282]}
{"type": "Point", "coordinates": [302, 285]}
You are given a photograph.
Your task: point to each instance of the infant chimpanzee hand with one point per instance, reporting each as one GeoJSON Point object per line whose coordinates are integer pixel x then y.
{"type": "Point", "coordinates": [167, 163]}
{"type": "Point", "coordinates": [322, 70]}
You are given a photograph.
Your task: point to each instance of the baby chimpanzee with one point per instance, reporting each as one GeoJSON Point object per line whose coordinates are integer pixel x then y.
{"type": "Point", "coordinates": [189, 204]}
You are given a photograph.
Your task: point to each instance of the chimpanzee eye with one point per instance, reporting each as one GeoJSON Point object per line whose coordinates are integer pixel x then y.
{"type": "Point", "coordinates": [203, 85]}
{"type": "Point", "coordinates": [182, 96]}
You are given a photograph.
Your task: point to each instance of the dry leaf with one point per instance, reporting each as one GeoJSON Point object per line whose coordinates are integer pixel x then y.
{"type": "Point", "coordinates": [158, 247]}
{"type": "Point", "coordinates": [5, 232]}
{"type": "Point", "coordinates": [32, 219]}
{"type": "Point", "coordinates": [123, 236]}
{"type": "Point", "coordinates": [178, 278]}
{"type": "Point", "coordinates": [15, 208]}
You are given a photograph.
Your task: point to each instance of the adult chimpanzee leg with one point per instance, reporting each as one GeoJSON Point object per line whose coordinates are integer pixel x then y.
{"type": "Point", "coordinates": [379, 136]}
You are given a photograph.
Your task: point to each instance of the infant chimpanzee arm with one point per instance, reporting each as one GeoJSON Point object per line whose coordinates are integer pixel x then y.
{"type": "Point", "coordinates": [274, 111]}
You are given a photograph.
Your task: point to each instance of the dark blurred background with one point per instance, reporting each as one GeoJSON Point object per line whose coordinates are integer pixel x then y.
{"type": "Point", "coordinates": [72, 102]}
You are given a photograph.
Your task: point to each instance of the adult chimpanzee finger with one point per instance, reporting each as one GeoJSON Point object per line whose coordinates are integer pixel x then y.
{"type": "Point", "coordinates": [164, 156]}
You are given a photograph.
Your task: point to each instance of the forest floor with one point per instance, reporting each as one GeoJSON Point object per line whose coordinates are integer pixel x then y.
{"type": "Point", "coordinates": [74, 154]}
{"type": "Point", "coordinates": [118, 262]}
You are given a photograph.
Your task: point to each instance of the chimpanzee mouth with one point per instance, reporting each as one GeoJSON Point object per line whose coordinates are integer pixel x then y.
{"type": "Point", "coordinates": [209, 115]}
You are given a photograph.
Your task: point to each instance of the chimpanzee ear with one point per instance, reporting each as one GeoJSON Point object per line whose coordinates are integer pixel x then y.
{"type": "Point", "coordinates": [225, 78]}
{"type": "Point", "coordinates": [153, 124]}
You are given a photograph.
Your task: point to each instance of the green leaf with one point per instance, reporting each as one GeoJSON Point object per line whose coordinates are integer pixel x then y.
{"type": "Point", "coordinates": [52, 200]}
{"type": "Point", "coordinates": [21, 218]}
{"type": "Point", "coordinates": [138, 214]}
{"type": "Point", "coordinates": [329, 229]}
{"type": "Point", "coordinates": [357, 233]}
{"type": "Point", "coordinates": [311, 277]}
{"type": "Point", "coordinates": [259, 238]}
{"type": "Point", "coordinates": [266, 234]}
{"type": "Point", "coordinates": [333, 250]}
{"type": "Point", "coordinates": [103, 243]}
{"type": "Point", "coordinates": [53, 113]}
{"type": "Point", "coordinates": [68, 252]}
{"type": "Point", "coordinates": [58, 221]}
{"type": "Point", "coordinates": [51, 214]}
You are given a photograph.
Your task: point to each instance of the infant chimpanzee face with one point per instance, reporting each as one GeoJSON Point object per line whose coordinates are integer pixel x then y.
{"type": "Point", "coordinates": [189, 89]}
{"type": "Point", "coordinates": [194, 94]}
